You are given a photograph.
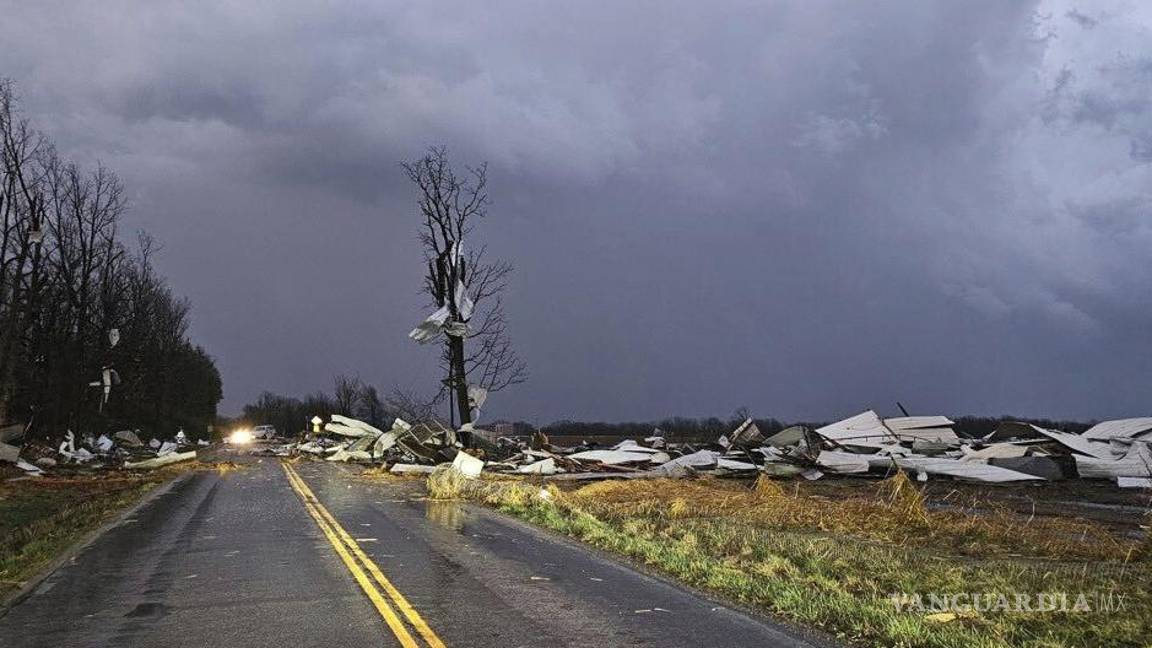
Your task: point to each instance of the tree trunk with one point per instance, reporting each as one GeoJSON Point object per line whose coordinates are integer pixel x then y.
{"type": "Point", "coordinates": [460, 384]}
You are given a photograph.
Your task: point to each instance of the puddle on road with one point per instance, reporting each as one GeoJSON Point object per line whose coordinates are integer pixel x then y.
{"type": "Point", "coordinates": [445, 513]}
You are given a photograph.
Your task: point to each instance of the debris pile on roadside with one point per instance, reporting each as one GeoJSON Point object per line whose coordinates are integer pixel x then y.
{"type": "Point", "coordinates": [927, 447]}
{"type": "Point", "coordinates": [123, 450]}
{"type": "Point", "coordinates": [924, 446]}
{"type": "Point", "coordinates": [410, 447]}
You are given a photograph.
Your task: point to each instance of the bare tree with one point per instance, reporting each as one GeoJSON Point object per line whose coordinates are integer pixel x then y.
{"type": "Point", "coordinates": [463, 285]}
{"type": "Point", "coordinates": [410, 406]}
{"type": "Point", "coordinates": [371, 408]}
{"type": "Point", "coordinates": [21, 210]}
{"type": "Point", "coordinates": [346, 394]}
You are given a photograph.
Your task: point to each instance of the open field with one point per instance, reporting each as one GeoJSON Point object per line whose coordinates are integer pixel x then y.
{"type": "Point", "coordinates": [841, 556]}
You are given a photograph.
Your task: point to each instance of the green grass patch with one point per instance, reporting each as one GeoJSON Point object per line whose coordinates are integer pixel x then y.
{"type": "Point", "coordinates": [836, 564]}
{"type": "Point", "coordinates": [40, 518]}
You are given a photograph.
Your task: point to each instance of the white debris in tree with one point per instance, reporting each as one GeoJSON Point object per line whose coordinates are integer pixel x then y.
{"type": "Point", "coordinates": [464, 303]}
{"type": "Point", "coordinates": [108, 378]}
{"type": "Point", "coordinates": [432, 327]}
{"type": "Point", "coordinates": [477, 396]}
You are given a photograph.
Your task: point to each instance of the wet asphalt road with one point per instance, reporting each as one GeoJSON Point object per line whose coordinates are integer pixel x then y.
{"type": "Point", "coordinates": [235, 560]}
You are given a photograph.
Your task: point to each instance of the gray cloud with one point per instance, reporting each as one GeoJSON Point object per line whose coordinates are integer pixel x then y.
{"type": "Point", "coordinates": [804, 207]}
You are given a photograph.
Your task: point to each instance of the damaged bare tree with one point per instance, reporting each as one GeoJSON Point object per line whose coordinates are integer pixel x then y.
{"type": "Point", "coordinates": [465, 287]}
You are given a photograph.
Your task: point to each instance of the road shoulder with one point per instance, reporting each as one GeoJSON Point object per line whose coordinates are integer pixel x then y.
{"type": "Point", "coordinates": [31, 584]}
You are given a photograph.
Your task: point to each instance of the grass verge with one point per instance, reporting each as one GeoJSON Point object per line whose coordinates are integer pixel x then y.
{"type": "Point", "coordinates": [843, 565]}
{"type": "Point", "coordinates": [40, 518]}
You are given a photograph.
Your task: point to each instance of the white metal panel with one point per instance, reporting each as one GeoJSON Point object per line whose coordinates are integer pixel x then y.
{"type": "Point", "coordinates": [1078, 443]}
{"type": "Point", "coordinates": [1120, 428]}
{"type": "Point", "coordinates": [916, 422]}
{"type": "Point", "coordinates": [865, 429]}
{"type": "Point", "coordinates": [1137, 463]}
{"type": "Point", "coordinates": [963, 469]}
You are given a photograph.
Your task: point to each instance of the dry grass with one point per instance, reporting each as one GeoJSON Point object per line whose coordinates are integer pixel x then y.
{"type": "Point", "coordinates": [446, 483]}
{"type": "Point", "coordinates": [835, 562]}
{"type": "Point", "coordinates": [892, 511]}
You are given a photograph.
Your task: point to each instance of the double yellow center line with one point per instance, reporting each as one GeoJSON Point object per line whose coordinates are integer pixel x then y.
{"type": "Point", "coordinates": [361, 567]}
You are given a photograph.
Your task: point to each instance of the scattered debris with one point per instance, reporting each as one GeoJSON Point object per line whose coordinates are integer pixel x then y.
{"type": "Point", "coordinates": [162, 460]}
{"type": "Point", "coordinates": [128, 438]}
{"type": "Point", "coordinates": [468, 465]}
{"type": "Point", "coordinates": [925, 447]}
{"type": "Point", "coordinates": [89, 452]}
{"type": "Point", "coordinates": [411, 469]}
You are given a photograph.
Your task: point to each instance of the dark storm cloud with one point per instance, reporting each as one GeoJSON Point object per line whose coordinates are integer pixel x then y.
{"type": "Point", "coordinates": [808, 208]}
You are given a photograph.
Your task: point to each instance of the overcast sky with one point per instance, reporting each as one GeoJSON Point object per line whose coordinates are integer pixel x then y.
{"type": "Point", "coordinates": [807, 208]}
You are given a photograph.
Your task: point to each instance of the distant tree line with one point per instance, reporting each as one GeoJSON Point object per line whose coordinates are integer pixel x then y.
{"type": "Point", "coordinates": [350, 397]}
{"type": "Point", "coordinates": [353, 397]}
{"type": "Point", "coordinates": [678, 428]}
{"type": "Point", "coordinates": [91, 337]}
{"type": "Point", "coordinates": [979, 426]}
{"type": "Point", "coordinates": [709, 429]}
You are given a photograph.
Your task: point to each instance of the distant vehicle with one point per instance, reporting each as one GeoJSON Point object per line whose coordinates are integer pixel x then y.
{"type": "Point", "coordinates": [244, 436]}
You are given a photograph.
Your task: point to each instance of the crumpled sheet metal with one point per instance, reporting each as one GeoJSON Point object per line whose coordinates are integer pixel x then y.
{"type": "Point", "coordinates": [1121, 429]}
{"type": "Point", "coordinates": [864, 430]}
{"type": "Point", "coordinates": [1136, 463]}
